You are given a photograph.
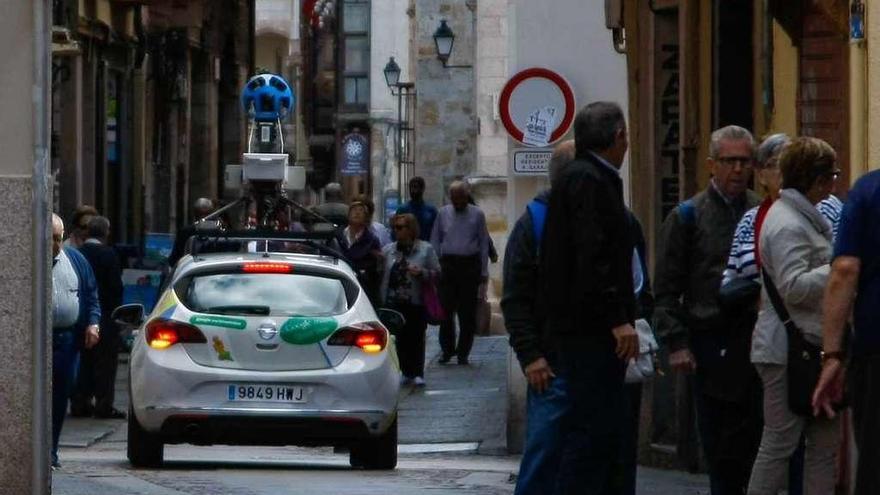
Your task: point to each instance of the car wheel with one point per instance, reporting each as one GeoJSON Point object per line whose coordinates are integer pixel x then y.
{"type": "Point", "coordinates": [145, 449]}
{"type": "Point", "coordinates": [376, 452]}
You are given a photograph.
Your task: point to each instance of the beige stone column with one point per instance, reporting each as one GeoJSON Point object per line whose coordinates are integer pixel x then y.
{"type": "Point", "coordinates": [24, 244]}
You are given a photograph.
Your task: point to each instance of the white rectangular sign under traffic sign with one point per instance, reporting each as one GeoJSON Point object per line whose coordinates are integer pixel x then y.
{"type": "Point", "coordinates": [531, 161]}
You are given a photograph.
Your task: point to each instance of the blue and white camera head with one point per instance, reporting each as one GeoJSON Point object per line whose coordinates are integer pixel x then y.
{"type": "Point", "coordinates": [267, 98]}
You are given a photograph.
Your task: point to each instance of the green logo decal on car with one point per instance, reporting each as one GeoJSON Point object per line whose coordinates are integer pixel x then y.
{"type": "Point", "coordinates": [304, 330]}
{"type": "Point", "coordinates": [219, 321]}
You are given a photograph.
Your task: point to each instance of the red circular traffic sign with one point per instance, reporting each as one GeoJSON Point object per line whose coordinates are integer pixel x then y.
{"type": "Point", "coordinates": [532, 89]}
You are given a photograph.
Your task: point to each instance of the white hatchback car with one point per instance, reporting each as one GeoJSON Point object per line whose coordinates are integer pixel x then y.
{"type": "Point", "coordinates": [263, 349]}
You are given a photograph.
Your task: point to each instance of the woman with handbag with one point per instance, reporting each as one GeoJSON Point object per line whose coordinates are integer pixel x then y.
{"type": "Point", "coordinates": [411, 271]}
{"type": "Point", "coordinates": [794, 244]}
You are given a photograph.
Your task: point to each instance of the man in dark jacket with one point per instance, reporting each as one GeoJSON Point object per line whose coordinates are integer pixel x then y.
{"type": "Point", "coordinates": [97, 373]}
{"type": "Point", "coordinates": [586, 298]}
{"type": "Point", "coordinates": [75, 318]}
{"type": "Point", "coordinates": [425, 213]}
{"type": "Point", "coordinates": [692, 251]}
{"type": "Point", "coordinates": [547, 399]}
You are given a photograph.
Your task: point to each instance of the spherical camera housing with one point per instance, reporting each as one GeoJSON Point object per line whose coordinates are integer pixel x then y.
{"type": "Point", "coordinates": [267, 98]}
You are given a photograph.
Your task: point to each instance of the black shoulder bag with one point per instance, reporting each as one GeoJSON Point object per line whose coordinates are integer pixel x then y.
{"type": "Point", "coordinates": [804, 358]}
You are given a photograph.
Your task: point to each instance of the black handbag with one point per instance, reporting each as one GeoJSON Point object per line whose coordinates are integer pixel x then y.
{"type": "Point", "coordinates": [740, 294]}
{"type": "Point", "coordinates": [804, 358]}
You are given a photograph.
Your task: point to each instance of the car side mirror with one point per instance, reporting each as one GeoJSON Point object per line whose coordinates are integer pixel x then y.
{"type": "Point", "coordinates": [393, 320]}
{"type": "Point", "coordinates": [128, 315]}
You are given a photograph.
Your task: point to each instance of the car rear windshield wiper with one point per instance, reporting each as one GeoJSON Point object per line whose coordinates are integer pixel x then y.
{"type": "Point", "coordinates": [240, 309]}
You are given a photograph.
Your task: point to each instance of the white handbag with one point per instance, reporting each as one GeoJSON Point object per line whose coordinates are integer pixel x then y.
{"type": "Point", "coordinates": [641, 368]}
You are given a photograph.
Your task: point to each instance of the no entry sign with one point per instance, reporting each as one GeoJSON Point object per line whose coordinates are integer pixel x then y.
{"type": "Point", "coordinates": [537, 106]}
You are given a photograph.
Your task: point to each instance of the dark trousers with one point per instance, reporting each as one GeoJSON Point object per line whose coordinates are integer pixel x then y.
{"type": "Point", "coordinates": [97, 374]}
{"type": "Point", "coordinates": [65, 359]}
{"type": "Point", "coordinates": [624, 475]}
{"type": "Point", "coordinates": [591, 447]}
{"type": "Point", "coordinates": [864, 383]}
{"type": "Point", "coordinates": [410, 340]}
{"type": "Point", "coordinates": [731, 434]}
{"type": "Point", "coordinates": [459, 286]}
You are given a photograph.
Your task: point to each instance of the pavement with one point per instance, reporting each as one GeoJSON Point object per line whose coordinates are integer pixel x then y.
{"type": "Point", "coordinates": [452, 438]}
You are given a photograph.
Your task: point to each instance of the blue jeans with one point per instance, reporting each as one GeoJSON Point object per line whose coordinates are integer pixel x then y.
{"type": "Point", "coordinates": [65, 361]}
{"type": "Point", "coordinates": [591, 445]}
{"type": "Point", "coordinates": [544, 430]}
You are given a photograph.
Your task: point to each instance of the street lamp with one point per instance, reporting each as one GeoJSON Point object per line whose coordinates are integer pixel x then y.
{"type": "Point", "coordinates": [444, 38]}
{"type": "Point", "coordinates": [404, 90]}
{"type": "Point", "coordinates": [392, 74]}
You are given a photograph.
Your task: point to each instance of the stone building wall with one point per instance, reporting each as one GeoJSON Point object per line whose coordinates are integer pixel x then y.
{"type": "Point", "coordinates": [446, 117]}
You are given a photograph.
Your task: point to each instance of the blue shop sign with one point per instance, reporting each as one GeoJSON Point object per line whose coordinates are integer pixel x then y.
{"type": "Point", "coordinates": [355, 155]}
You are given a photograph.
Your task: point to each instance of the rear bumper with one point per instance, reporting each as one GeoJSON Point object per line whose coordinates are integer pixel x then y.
{"type": "Point", "coordinates": [176, 397]}
{"type": "Point", "coordinates": [234, 428]}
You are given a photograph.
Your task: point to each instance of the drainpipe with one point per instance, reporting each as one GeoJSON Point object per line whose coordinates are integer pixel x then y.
{"type": "Point", "coordinates": [39, 212]}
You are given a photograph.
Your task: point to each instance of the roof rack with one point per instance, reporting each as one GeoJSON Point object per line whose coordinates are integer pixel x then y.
{"type": "Point", "coordinates": [220, 240]}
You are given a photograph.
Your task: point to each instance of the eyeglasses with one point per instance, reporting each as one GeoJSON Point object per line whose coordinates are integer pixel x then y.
{"type": "Point", "coordinates": [401, 227]}
{"type": "Point", "coordinates": [732, 161]}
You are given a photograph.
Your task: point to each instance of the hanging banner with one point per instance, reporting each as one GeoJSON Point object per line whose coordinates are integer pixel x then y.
{"type": "Point", "coordinates": [355, 155]}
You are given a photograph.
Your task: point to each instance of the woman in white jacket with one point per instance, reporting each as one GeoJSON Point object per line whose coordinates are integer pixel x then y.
{"type": "Point", "coordinates": [795, 248]}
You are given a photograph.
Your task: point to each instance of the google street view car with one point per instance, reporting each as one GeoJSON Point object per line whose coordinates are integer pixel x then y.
{"type": "Point", "coordinates": [257, 347]}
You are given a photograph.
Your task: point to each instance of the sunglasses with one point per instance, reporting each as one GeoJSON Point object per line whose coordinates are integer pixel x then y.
{"type": "Point", "coordinates": [401, 227]}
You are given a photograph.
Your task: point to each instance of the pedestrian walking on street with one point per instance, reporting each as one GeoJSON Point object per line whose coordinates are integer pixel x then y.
{"type": "Point", "coordinates": [854, 289]}
{"type": "Point", "coordinates": [362, 249]}
{"type": "Point", "coordinates": [547, 397]}
{"type": "Point", "coordinates": [380, 231]}
{"type": "Point", "coordinates": [97, 372]}
{"type": "Point", "coordinates": [795, 251]}
{"type": "Point", "coordinates": [334, 209]}
{"type": "Point", "coordinates": [693, 246]}
{"type": "Point", "coordinates": [76, 315]}
{"type": "Point", "coordinates": [461, 239]}
{"type": "Point", "coordinates": [586, 297]}
{"type": "Point", "coordinates": [79, 225]}
{"type": "Point", "coordinates": [425, 213]}
{"type": "Point", "coordinates": [409, 264]}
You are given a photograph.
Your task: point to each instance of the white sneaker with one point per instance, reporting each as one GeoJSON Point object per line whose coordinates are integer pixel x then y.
{"type": "Point", "coordinates": [419, 381]}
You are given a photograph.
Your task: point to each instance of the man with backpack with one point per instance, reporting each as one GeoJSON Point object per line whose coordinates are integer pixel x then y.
{"type": "Point", "coordinates": [547, 401]}
{"type": "Point", "coordinates": [692, 252]}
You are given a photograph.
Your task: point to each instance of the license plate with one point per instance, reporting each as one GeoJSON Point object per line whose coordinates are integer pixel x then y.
{"type": "Point", "coordinates": [265, 393]}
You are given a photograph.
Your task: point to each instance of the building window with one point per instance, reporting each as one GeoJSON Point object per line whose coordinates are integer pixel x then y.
{"type": "Point", "coordinates": [355, 63]}
{"type": "Point", "coordinates": [357, 90]}
{"type": "Point", "coordinates": [357, 54]}
{"type": "Point", "coordinates": [356, 16]}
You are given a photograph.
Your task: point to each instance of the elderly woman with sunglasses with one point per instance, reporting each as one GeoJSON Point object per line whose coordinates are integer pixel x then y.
{"type": "Point", "coordinates": [409, 264]}
{"type": "Point", "coordinates": [794, 244]}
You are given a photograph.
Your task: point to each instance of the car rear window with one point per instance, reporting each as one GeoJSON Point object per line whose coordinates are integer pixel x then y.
{"type": "Point", "coordinates": [264, 294]}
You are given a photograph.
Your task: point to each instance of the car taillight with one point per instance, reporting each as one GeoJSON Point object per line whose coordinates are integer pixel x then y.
{"type": "Point", "coordinates": [162, 334]}
{"type": "Point", "coordinates": [266, 267]}
{"type": "Point", "coordinates": [370, 337]}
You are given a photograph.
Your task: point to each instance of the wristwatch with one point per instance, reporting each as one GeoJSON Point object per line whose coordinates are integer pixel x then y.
{"type": "Point", "coordinates": [826, 356]}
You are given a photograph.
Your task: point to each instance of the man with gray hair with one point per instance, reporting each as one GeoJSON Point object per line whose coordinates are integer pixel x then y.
{"type": "Point", "coordinates": [461, 239]}
{"type": "Point", "coordinates": [692, 250]}
{"type": "Point", "coordinates": [586, 299]}
{"type": "Point", "coordinates": [75, 318]}
{"type": "Point", "coordinates": [97, 372]}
